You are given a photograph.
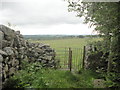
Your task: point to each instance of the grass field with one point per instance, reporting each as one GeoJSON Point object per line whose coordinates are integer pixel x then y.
{"type": "Point", "coordinates": [61, 47]}
{"type": "Point", "coordinates": [71, 42]}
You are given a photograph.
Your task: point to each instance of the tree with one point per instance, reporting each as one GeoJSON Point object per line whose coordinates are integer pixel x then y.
{"type": "Point", "coordinates": [106, 17]}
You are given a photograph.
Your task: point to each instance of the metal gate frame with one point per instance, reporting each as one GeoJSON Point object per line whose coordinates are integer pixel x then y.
{"type": "Point", "coordinates": [71, 59]}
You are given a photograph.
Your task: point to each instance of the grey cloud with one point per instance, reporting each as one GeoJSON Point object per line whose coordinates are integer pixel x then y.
{"type": "Point", "coordinates": [47, 14]}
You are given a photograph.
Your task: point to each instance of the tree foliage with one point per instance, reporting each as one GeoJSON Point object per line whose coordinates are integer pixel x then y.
{"type": "Point", "coordinates": [105, 16]}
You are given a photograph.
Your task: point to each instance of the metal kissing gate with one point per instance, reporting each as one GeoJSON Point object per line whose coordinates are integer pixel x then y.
{"type": "Point", "coordinates": [70, 58]}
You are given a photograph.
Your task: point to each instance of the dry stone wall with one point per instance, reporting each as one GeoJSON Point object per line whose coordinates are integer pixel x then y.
{"type": "Point", "coordinates": [93, 58]}
{"type": "Point", "coordinates": [14, 49]}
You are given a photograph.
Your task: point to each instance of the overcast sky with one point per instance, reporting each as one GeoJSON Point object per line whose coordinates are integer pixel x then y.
{"type": "Point", "coordinates": [42, 17]}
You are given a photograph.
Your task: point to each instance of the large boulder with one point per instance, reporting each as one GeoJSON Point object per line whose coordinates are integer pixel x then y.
{"type": "Point", "coordinates": [8, 50]}
{"type": "Point", "coordinates": [17, 42]}
{"type": "Point", "coordinates": [12, 71]}
{"type": "Point", "coordinates": [1, 35]}
{"type": "Point", "coordinates": [1, 38]}
{"type": "Point", "coordinates": [3, 53]}
{"type": "Point", "coordinates": [15, 62]}
{"type": "Point", "coordinates": [17, 32]}
{"type": "Point", "coordinates": [5, 43]}
{"type": "Point", "coordinates": [9, 33]}
{"type": "Point", "coordinates": [1, 58]}
{"type": "Point", "coordinates": [6, 68]}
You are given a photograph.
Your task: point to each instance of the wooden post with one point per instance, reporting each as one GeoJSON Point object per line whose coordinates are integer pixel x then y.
{"type": "Point", "coordinates": [83, 64]}
{"type": "Point", "coordinates": [70, 59]}
{"type": "Point", "coordinates": [109, 68]}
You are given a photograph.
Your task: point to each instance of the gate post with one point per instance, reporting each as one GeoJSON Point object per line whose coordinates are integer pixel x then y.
{"type": "Point", "coordinates": [70, 59]}
{"type": "Point", "coordinates": [83, 64]}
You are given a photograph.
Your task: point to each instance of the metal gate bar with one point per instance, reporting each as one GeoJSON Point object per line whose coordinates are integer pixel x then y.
{"type": "Point", "coordinates": [71, 58]}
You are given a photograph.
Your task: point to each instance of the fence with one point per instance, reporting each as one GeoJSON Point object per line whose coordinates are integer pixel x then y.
{"type": "Point", "coordinates": [70, 58]}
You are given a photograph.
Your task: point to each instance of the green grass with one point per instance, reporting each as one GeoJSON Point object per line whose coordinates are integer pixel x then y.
{"type": "Point", "coordinates": [61, 47]}
{"type": "Point", "coordinates": [70, 42]}
{"type": "Point", "coordinates": [34, 77]}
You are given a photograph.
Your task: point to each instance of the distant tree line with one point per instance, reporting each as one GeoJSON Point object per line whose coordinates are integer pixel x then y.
{"type": "Point", "coordinates": [52, 37]}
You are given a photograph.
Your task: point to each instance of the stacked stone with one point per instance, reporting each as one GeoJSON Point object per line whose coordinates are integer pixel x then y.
{"type": "Point", "coordinates": [41, 53]}
{"type": "Point", "coordinates": [14, 49]}
{"type": "Point", "coordinates": [92, 57]}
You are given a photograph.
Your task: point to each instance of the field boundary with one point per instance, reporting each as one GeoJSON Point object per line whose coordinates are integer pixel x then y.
{"type": "Point", "coordinates": [71, 59]}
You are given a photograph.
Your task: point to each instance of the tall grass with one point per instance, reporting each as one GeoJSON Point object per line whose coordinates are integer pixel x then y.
{"type": "Point", "coordinates": [34, 77]}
